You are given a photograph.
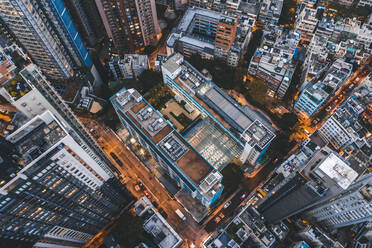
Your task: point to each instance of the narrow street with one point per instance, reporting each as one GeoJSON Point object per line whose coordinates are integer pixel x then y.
{"type": "Point", "coordinates": [135, 171]}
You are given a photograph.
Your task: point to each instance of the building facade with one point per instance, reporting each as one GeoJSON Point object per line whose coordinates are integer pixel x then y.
{"type": "Point", "coordinates": [46, 30]}
{"type": "Point", "coordinates": [128, 66]}
{"type": "Point", "coordinates": [87, 20]}
{"type": "Point", "coordinates": [211, 34]}
{"type": "Point", "coordinates": [352, 207]}
{"type": "Point", "coordinates": [131, 25]}
{"type": "Point", "coordinates": [52, 189]}
{"type": "Point", "coordinates": [324, 176]}
{"type": "Point", "coordinates": [32, 94]}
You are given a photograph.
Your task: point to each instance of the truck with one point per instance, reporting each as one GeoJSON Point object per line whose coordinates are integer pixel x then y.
{"type": "Point", "coordinates": [180, 214]}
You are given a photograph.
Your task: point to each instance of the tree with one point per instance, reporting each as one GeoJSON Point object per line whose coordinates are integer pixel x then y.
{"type": "Point", "coordinates": [287, 15]}
{"type": "Point", "coordinates": [147, 80]}
{"type": "Point", "coordinates": [257, 90]}
{"type": "Point", "coordinates": [288, 121]}
{"type": "Point", "coordinates": [232, 177]}
{"type": "Point", "coordinates": [280, 146]}
{"type": "Point", "coordinates": [159, 95]}
{"type": "Point", "coordinates": [129, 230]}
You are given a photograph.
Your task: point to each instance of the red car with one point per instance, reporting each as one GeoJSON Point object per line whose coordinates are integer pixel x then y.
{"type": "Point", "coordinates": [243, 196]}
{"type": "Point", "coordinates": [147, 194]}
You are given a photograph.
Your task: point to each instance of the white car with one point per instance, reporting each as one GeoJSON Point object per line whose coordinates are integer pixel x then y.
{"type": "Point", "coordinates": [227, 204]}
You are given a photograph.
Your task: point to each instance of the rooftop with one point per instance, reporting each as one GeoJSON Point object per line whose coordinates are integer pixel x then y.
{"type": "Point", "coordinates": [247, 121]}
{"type": "Point", "coordinates": [6, 67]}
{"type": "Point", "coordinates": [194, 12]}
{"type": "Point", "coordinates": [36, 137]}
{"type": "Point", "coordinates": [162, 233]}
{"type": "Point", "coordinates": [328, 169]}
{"type": "Point", "coordinates": [187, 161]}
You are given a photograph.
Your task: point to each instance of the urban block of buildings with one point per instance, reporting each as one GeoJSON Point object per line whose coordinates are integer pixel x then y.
{"type": "Point", "coordinates": [58, 187]}
{"type": "Point", "coordinates": [57, 49]}
{"type": "Point", "coordinates": [247, 133]}
{"type": "Point", "coordinates": [211, 34]}
{"type": "Point", "coordinates": [323, 177]}
{"type": "Point", "coordinates": [247, 8]}
{"type": "Point", "coordinates": [200, 182]}
{"type": "Point", "coordinates": [161, 232]}
{"type": "Point", "coordinates": [75, 196]}
{"type": "Point", "coordinates": [274, 60]}
{"type": "Point", "coordinates": [247, 229]}
{"type": "Point", "coordinates": [130, 25]}
{"type": "Point", "coordinates": [128, 66]}
{"type": "Point", "coordinates": [270, 11]}
{"type": "Point", "coordinates": [316, 92]}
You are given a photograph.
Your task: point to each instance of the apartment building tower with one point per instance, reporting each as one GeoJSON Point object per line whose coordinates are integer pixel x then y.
{"type": "Point", "coordinates": [131, 25]}
{"type": "Point", "coordinates": [352, 207]}
{"type": "Point", "coordinates": [324, 176]}
{"type": "Point", "coordinates": [52, 191]}
{"type": "Point", "coordinates": [27, 89]}
{"type": "Point", "coordinates": [45, 29]}
{"type": "Point", "coordinates": [56, 183]}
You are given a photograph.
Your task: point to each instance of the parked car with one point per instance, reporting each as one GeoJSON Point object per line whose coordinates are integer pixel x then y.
{"type": "Point", "coordinates": [117, 160]}
{"type": "Point", "coordinates": [227, 204]}
{"type": "Point", "coordinates": [243, 196]}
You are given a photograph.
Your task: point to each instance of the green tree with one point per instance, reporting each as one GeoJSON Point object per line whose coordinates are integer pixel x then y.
{"type": "Point", "coordinates": [257, 90]}
{"type": "Point", "coordinates": [288, 121]}
{"type": "Point", "coordinates": [147, 80]}
{"type": "Point", "coordinates": [232, 177]}
{"type": "Point", "coordinates": [129, 230]}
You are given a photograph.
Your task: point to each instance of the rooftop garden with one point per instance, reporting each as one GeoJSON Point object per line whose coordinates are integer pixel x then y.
{"type": "Point", "coordinates": [17, 87]}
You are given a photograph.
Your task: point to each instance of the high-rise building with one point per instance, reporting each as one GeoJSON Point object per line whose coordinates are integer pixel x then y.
{"type": "Point", "coordinates": [306, 23]}
{"type": "Point", "coordinates": [57, 184]}
{"type": "Point", "coordinates": [45, 29]}
{"type": "Point", "coordinates": [87, 20]}
{"type": "Point", "coordinates": [131, 25]}
{"type": "Point", "coordinates": [351, 207]}
{"type": "Point", "coordinates": [30, 92]}
{"type": "Point", "coordinates": [325, 175]}
{"type": "Point", "coordinates": [51, 188]}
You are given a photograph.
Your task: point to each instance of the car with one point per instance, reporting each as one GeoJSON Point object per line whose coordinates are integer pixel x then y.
{"type": "Point", "coordinates": [117, 160]}
{"type": "Point", "coordinates": [243, 196]}
{"type": "Point", "coordinates": [329, 108]}
{"type": "Point", "coordinates": [227, 204]}
{"type": "Point", "coordinates": [218, 219]}
{"type": "Point", "coordinates": [221, 215]}
{"type": "Point", "coordinates": [155, 204]}
{"type": "Point", "coordinates": [147, 194]}
{"type": "Point", "coordinates": [137, 188]}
